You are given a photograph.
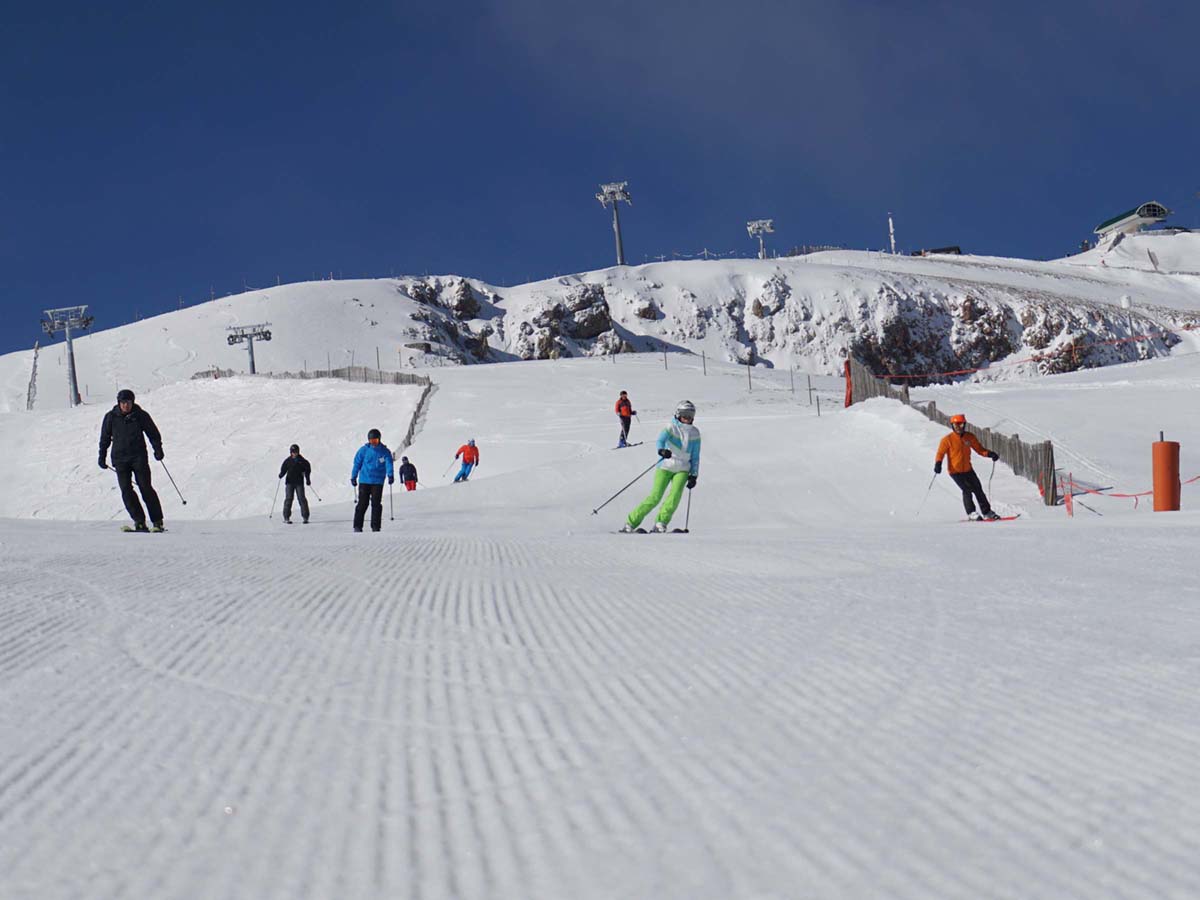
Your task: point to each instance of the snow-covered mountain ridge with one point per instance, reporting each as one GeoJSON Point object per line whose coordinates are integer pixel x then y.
{"type": "Point", "coordinates": [900, 314]}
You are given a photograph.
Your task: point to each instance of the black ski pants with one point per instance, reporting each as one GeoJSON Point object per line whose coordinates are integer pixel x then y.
{"type": "Point", "coordinates": [625, 420]}
{"type": "Point", "coordinates": [297, 491]}
{"type": "Point", "coordinates": [969, 482]}
{"type": "Point", "coordinates": [372, 494]}
{"type": "Point", "coordinates": [127, 471]}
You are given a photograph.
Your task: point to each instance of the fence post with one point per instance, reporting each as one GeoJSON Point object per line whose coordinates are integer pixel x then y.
{"type": "Point", "coordinates": [818, 406]}
{"type": "Point", "coordinates": [704, 361]}
{"type": "Point", "coordinates": [792, 376]}
{"type": "Point", "coordinates": [810, 390]}
{"type": "Point", "coordinates": [749, 383]}
{"type": "Point", "coordinates": [664, 356]}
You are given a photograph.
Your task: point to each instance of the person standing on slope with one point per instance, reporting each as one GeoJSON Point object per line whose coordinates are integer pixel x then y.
{"type": "Point", "coordinates": [470, 459]}
{"type": "Point", "coordinates": [299, 473]}
{"type": "Point", "coordinates": [408, 474]}
{"type": "Point", "coordinates": [125, 428]}
{"type": "Point", "coordinates": [679, 447]}
{"type": "Point", "coordinates": [958, 445]}
{"type": "Point", "coordinates": [372, 463]}
{"type": "Point", "coordinates": [625, 412]}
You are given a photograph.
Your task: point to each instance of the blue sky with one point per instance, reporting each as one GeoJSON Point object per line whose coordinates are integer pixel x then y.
{"type": "Point", "coordinates": [151, 152]}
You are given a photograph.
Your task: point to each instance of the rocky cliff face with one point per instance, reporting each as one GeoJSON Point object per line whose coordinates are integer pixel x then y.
{"type": "Point", "coordinates": [899, 316]}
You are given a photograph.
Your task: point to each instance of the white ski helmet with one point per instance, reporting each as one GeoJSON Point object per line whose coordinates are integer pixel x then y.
{"type": "Point", "coordinates": [685, 408]}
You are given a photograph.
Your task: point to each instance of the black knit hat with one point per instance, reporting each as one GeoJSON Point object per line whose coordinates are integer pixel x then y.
{"type": "Point", "coordinates": [295, 448]}
{"type": "Point", "coordinates": [124, 394]}
{"type": "Point", "coordinates": [374, 433]}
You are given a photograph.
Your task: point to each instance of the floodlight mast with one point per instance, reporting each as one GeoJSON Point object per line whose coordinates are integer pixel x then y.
{"type": "Point", "coordinates": [614, 193]}
{"type": "Point", "coordinates": [757, 228]}
{"type": "Point", "coordinates": [247, 333]}
{"type": "Point", "coordinates": [64, 320]}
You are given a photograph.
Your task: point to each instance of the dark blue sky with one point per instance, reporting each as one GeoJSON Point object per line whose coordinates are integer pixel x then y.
{"type": "Point", "coordinates": [155, 151]}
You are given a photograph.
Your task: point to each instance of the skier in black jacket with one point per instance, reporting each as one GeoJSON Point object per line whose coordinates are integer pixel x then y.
{"type": "Point", "coordinates": [408, 474]}
{"type": "Point", "coordinates": [126, 427]}
{"type": "Point", "coordinates": [299, 473]}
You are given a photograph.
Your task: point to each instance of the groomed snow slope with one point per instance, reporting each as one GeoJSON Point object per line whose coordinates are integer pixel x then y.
{"type": "Point", "coordinates": [813, 694]}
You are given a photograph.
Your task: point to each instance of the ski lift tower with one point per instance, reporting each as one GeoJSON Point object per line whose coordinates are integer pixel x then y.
{"type": "Point", "coordinates": [248, 333]}
{"type": "Point", "coordinates": [757, 229]}
{"type": "Point", "coordinates": [64, 320]}
{"type": "Point", "coordinates": [614, 194]}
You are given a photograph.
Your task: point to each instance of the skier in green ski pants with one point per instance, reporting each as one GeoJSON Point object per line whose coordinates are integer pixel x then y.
{"type": "Point", "coordinates": [679, 447]}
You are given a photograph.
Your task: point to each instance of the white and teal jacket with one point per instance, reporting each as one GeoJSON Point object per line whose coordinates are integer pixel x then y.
{"type": "Point", "coordinates": [684, 443]}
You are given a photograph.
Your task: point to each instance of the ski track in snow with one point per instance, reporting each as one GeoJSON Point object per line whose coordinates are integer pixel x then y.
{"type": "Point", "coordinates": [812, 694]}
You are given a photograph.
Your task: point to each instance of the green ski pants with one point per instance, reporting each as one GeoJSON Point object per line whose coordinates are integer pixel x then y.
{"type": "Point", "coordinates": [662, 478]}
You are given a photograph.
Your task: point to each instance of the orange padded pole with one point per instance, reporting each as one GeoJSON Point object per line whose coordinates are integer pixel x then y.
{"type": "Point", "coordinates": [1166, 474]}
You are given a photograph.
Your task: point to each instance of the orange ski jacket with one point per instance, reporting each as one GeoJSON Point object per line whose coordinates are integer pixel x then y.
{"type": "Point", "coordinates": [624, 407]}
{"type": "Point", "coordinates": [959, 448]}
{"type": "Point", "coordinates": [469, 454]}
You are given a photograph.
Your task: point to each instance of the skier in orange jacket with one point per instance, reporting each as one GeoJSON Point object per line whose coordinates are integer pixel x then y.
{"type": "Point", "coordinates": [470, 459]}
{"type": "Point", "coordinates": [958, 445]}
{"type": "Point", "coordinates": [625, 411]}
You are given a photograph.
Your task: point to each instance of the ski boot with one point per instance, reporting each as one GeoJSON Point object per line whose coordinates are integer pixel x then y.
{"type": "Point", "coordinates": [991, 515]}
{"type": "Point", "coordinates": [973, 516]}
{"type": "Point", "coordinates": [660, 528]}
{"type": "Point", "coordinates": [157, 528]}
{"type": "Point", "coordinates": [136, 526]}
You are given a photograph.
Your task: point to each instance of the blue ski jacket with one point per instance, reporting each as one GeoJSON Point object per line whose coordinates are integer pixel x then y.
{"type": "Point", "coordinates": [372, 465]}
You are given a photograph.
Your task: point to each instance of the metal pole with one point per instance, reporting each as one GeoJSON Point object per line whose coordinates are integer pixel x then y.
{"type": "Point", "coordinates": [810, 390]}
{"type": "Point", "coordinates": [72, 383]}
{"type": "Point", "coordinates": [818, 406]}
{"type": "Point", "coordinates": [749, 383]}
{"type": "Point", "coordinates": [704, 361]}
{"type": "Point", "coordinates": [664, 356]}
{"type": "Point", "coordinates": [792, 376]}
{"type": "Point", "coordinates": [378, 365]}
{"type": "Point", "coordinates": [174, 485]}
{"type": "Point", "coordinates": [617, 232]}
{"type": "Point", "coordinates": [622, 490]}
{"type": "Point", "coordinates": [926, 497]}
{"type": "Point", "coordinates": [250, 345]}
{"type": "Point", "coordinates": [271, 514]}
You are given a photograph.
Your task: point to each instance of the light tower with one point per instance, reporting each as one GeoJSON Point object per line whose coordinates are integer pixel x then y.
{"type": "Point", "coordinates": [614, 194]}
{"type": "Point", "coordinates": [248, 333]}
{"type": "Point", "coordinates": [64, 320]}
{"type": "Point", "coordinates": [758, 228]}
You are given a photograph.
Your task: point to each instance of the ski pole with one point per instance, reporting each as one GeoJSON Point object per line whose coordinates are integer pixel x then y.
{"type": "Point", "coordinates": [990, 477]}
{"type": "Point", "coordinates": [926, 497]}
{"type": "Point", "coordinates": [315, 494]}
{"type": "Point", "coordinates": [391, 503]}
{"type": "Point", "coordinates": [688, 513]}
{"type": "Point", "coordinates": [622, 490]}
{"type": "Point", "coordinates": [449, 467]}
{"type": "Point", "coordinates": [271, 514]}
{"type": "Point", "coordinates": [180, 493]}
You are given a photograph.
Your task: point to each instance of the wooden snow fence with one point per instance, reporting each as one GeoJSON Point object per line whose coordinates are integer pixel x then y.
{"type": "Point", "coordinates": [1032, 461]}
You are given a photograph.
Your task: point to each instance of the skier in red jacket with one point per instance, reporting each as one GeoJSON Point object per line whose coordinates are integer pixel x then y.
{"type": "Point", "coordinates": [625, 412]}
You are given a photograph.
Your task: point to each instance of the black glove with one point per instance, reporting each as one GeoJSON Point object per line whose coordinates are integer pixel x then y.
{"type": "Point", "coordinates": [691, 482]}
{"type": "Point", "coordinates": [158, 454]}
{"type": "Point", "coordinates": [308, 481]}
{"type": "Point", "coordinates": [993, 455]}
{"type": "Point", "coordinates": [353, 482]}
{"type": "Point", "coordinates": [633, 412]}
{"type": "Point", "coordinates": [280, 474]}
{"type": "Point", "coordinates": [391, 479]}
{"type": "Point", "coordinates": [664, 453]}
{"type": "Point", "coordinates": [937, 467]}
{"type": "Point", "coordinates": [103, 462]}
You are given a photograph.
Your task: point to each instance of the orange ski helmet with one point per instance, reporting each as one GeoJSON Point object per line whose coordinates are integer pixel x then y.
{"type": "Point", "coordinates": [958, 419]}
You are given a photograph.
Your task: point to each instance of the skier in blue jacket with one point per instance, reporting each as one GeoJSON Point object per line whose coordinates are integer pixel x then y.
{"type": "Point", "coordinates": [372, 463]}
{"type": "Point", "coordinates": [679, 467]}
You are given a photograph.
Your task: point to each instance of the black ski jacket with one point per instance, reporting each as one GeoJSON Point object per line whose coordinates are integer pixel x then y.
{"type": "Point", "coordinates": [125, 434]}
{"type": "Point", "coordinates": [408, 472]}
{"type": "Point", "coordinates": [297, 470]}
